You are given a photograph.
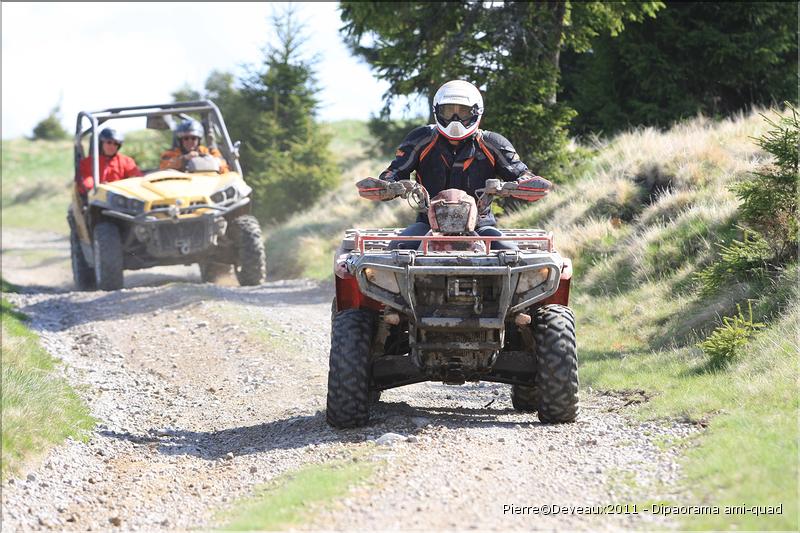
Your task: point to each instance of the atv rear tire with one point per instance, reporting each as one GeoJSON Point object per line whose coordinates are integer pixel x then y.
{"type": "Point", "coordinates": [557, 364]}
{"type": "Point", "coordinates": [348, 374]}
{"type": "Point", "coordinates": [211, 272]}
{"type": "Point", "coordinates": [251, 262]}
{"type": "Point", "coordinates": [82, 273]}
{"type": "Point", "coordinates": [107, 248]}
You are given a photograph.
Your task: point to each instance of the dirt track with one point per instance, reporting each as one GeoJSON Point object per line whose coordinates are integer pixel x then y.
{"type": "Point", "coordinates": [205, 392]}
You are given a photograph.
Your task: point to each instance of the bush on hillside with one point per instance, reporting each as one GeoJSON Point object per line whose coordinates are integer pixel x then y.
{"type": "Point", "coordinates": [769, 199]}
{"type": "Point", "coordinates": [50, 129]}
{"type": "Point", "coordinates": [728, 340]}
{"type": "Point", "coordinates": [737, 260]}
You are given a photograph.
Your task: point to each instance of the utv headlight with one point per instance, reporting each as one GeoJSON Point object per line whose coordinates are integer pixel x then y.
{"type": "Point", "coordinates": [224, 195]}
{"type": "Point", "coordinates": [123, 203]}
{"type": "Point", "coordinates": [383, 279]}
{"type": "Point", "coordinates": [532, 278]}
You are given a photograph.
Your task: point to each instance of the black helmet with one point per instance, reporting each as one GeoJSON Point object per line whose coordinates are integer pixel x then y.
{"type": "Point", "coordinates": [111, 134]}
{"type": "Point", "coordinates": [189, 128]}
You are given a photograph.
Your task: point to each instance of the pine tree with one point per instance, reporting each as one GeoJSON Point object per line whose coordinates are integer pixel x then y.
{"type": "Point", "coordinates": [284, 152]}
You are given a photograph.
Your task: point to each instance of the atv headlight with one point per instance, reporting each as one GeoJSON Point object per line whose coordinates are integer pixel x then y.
{"type": "Point", "coordinates": [123, 203]}
{"type": "Point", "coordinates": [532, 278]}
{"type": "Point", "coordinates": [383, 279]}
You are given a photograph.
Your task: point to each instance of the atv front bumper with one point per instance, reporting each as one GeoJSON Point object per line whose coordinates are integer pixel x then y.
{"type": "Point", "coordinates": [522, 279]}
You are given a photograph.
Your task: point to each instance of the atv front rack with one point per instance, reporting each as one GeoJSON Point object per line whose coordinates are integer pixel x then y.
{"type": "Point", "coordinates": [375, 240]}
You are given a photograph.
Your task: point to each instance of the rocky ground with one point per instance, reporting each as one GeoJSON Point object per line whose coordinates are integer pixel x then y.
{"type": "Point", "coordinates": [205, 392]}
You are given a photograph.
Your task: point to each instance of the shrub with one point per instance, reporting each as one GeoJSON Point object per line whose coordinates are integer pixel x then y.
{"type": "Point", "coordinates": [50, 129]}
{"type": "Point", "coordinates": [769, 199]}
{"type": "Point", "coordinates": [737, 260]}
{"type": "Point", "coordinates": [727, 340]}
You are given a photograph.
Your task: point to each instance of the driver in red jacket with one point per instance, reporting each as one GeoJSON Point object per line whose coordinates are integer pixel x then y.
{"type": "Point", "coordinates": [113, 166]}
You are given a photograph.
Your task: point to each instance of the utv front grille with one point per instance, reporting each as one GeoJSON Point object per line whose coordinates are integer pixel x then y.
{"type": "Point", "coordinates": [181, 238]}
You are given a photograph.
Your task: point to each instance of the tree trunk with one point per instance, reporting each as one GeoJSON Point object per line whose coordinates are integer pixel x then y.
{"type": "Point", "coordinates": [559, 12]}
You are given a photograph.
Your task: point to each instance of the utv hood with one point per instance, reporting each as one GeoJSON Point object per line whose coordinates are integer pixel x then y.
{"type": "Point", "coordinates": [169, 184]}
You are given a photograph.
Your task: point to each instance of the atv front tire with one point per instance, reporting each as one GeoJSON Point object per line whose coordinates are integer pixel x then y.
{"type": "Point", "coordinates": [251, 261]}
{"type": "Point", "coordinates": [557, 364]}
{"type": "Point", "coordinates": [107, 248]}
{"type": "Point", "coordinates": [82, 273]}
{"type": "Point", "coordinates": [348, 374]}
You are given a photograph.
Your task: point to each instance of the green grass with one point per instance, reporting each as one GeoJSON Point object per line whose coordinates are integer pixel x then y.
{"type": "Point", "coordinates": [37, 176]}
{"type": "Point", "coordinates": [39, 409]}
{"type": "Point", "coordinates": [748, 455]}
{"type": "Point", "coordinates": [288, 500]}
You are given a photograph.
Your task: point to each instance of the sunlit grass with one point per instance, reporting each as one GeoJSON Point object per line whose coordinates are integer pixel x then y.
{"type": "Point", "coordinates": [289, 500]}
{"type": "Point", "coordinates": [39, 409]}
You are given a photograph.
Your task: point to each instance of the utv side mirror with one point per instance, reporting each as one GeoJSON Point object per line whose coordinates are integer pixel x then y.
{"type": "Point", "coordinates": [236, 146]}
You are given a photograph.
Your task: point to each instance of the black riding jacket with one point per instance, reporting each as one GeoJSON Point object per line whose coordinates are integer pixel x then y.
{"type": "Point", "coordinates": [440, 165]}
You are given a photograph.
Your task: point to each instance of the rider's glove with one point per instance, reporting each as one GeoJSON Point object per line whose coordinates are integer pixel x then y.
{"type": "Point", "coordinates": [528, 187]}
{"type": "Point", "coordinates": [377, 189]}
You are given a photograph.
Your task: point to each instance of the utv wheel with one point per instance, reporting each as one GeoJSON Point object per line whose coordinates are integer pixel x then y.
{"type": "Point", "coordinates": [82, 273]}
{"type": "Point", "coordinates": [107, 247]}
{"type": "Point", "coordinates": [557, 364]}
{"type": "Point", "coordinates": [348, 374]}
{"type": "Point", "coordinates": [525, 397]}
{"type": "Point", "coordinates": [211, 272]}
{"type": "Point", "coordinates": [251, 262]}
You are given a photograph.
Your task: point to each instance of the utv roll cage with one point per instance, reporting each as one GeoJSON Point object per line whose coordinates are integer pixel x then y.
{"type": "Point", "coordinates": [159, 117]}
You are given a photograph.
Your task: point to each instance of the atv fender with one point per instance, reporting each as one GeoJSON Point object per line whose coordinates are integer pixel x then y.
{"type": "Point", "coordinates": [348, 296]}
{"type": "Point", "coordinates": [561, 296]}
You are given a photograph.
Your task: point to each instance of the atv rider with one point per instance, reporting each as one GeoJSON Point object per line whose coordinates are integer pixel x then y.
{"type": "Point", "coordinates": [187, 139]}
{"type": "Point", "coordinates": [455, 154]}
{"type": "Point", "coordinates": [113, 166]}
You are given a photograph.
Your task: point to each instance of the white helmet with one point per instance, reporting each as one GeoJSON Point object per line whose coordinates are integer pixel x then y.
{"type": "Point", "coordinates": [457, 107]}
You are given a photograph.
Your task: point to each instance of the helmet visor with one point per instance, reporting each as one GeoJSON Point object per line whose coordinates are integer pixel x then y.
{"type": "Point", "coordinates": [447, 113]}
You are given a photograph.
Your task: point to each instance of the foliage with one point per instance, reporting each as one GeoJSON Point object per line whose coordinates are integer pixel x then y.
{"type": "Point", "coordinates": [510, 50]}
{"type": "Point", "coordinates": [769, 200]}
{"type": "Point", "coordinates": [286, 153]}
{"type": "Point", "coordinates": [185, 93]}
{"type": "Point", "coordinates": [727, 341]}
{"type": "Point", "coordinates": [50, 128]}
{"type": "Point", "coordinates": [714, 58]}
{"type": "Point", "coordinates": [387, 134]}
{"type": "Point", "coordinates": [737, 260]}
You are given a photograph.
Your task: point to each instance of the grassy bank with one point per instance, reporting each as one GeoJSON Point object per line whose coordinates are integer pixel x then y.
{"type": "Point", "coordinates": [39, 409]}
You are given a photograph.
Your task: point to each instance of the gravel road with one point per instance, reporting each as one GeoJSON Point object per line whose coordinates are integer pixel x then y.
{"type": "Point", "coordinates": [205, 392]}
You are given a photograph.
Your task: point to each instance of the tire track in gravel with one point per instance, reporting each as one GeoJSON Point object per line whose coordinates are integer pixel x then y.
{"type": "Point", "coordinates": [203, 393]}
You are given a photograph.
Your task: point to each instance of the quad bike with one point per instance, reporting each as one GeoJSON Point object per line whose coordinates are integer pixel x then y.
{"type": "Point", "coordinates": [167, 217]}
{"type": "Point", "coordinates": [451, 310]}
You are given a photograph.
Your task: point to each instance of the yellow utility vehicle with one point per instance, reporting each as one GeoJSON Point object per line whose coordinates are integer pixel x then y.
{"type": "Point", "coordinates": [166, 217]}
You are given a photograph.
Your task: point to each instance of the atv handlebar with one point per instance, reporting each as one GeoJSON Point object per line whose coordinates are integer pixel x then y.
{"type": "Point", "coordinates": [418, 198]}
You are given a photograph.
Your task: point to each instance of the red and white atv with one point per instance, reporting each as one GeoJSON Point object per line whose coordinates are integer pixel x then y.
{"type": "Point", "coordinates": [452, 310]}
